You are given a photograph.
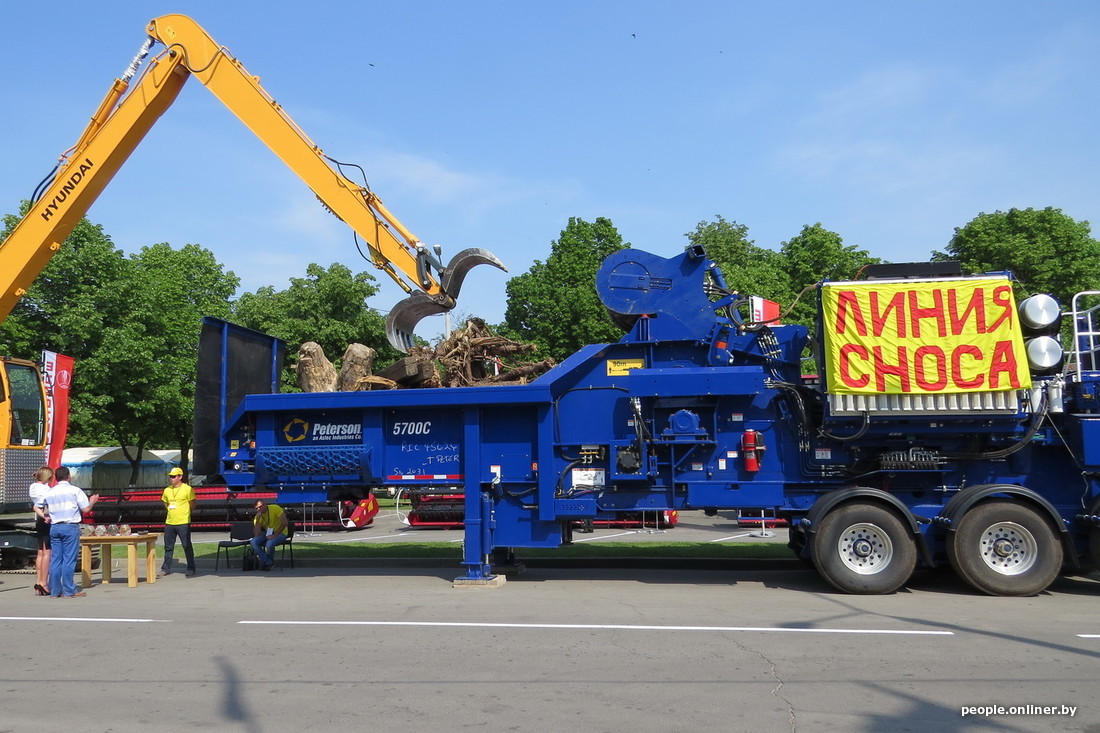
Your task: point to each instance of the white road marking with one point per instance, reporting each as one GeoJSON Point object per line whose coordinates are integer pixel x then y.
{"type": "Point", "coordinates": [1089, 636]}
{"type": "Point", "coordinates": [604, 536]}
{"type": "Point", "coordinates": [89, 620]}
{"type": "Point", "coordinates": [731, 537]}
{"type": "Point", "coordinates": [367, 539]}
{"type": "Point", "coordinates": [613, 627]}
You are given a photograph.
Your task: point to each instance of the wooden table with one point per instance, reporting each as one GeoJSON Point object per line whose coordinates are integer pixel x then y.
{"type": "Point", "coordinates": [105, 543]}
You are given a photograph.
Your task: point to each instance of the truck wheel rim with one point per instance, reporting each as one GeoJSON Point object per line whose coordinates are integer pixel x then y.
{"type": "Point", "coordinates": [1009, 548]}
{"type": "Point", "coordinates": [865, 549]}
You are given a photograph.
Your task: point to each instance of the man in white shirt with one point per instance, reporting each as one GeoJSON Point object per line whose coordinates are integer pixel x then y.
{"type": "Point", "coordinates": [63, 507]}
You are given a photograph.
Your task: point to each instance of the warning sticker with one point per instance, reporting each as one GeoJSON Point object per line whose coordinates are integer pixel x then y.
{"type": "Point", "coordinates": [621, 367]}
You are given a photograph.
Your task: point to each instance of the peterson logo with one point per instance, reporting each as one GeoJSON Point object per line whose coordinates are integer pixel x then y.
{"type": "Point", "coordinates": [296, 430]}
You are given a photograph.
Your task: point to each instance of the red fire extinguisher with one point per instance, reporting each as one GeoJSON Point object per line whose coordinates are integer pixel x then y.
{"type": "Point", "coordinates": [752, 444]}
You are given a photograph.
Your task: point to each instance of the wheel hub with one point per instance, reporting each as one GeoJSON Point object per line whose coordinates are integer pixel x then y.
{"type": "Point", "coordinates": [865, 548]}
{"type": "Point", "coordinates": [1003, 548]}
{"type": "Point", "coordinates": [862, 548]}
{"type": "Point", "coordinates": [1009, 548]}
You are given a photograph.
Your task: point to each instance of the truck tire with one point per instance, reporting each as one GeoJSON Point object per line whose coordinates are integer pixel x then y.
{"type": "Point", "coordinates": [865, 549]}
{"type": "Point", "coordinates": [797, 541]}
{"type": "Point", "coordinates": [1005, 548]}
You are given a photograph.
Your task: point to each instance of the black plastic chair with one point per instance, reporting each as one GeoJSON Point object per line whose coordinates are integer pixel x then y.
{"type": "Point", "coordinates": [240, 535]}
{"type": "Point", "coordinates": [288, 544]}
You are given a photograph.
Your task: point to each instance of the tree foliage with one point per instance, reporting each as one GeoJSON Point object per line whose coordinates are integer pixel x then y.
{"type": "Point", "coordinates": [72, 300]}
{"type": "Point", "coordinates": [813, 255]}
{"type": "Point", "coordinates": [69, 308]}
{"type": "Point", "coordinates": [171, 290]}
{"type": "Point", "coordinates": [554, 304]}
{"type": "Point", "coordinates": [1047, 250]}
{"type": "Point", "coordinates": [328, 306]}
{"type": "Point", "coordinates": [131, 325]}
{"type": "Point", "coordinates": [748, 268]}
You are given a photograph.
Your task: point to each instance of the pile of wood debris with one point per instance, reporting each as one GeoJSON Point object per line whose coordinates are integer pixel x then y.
{"type": "Point", "coordinates": [472, 355]}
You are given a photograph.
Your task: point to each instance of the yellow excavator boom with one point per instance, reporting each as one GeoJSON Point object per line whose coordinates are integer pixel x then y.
{"type": "Point", "coordinates": [130, 109]}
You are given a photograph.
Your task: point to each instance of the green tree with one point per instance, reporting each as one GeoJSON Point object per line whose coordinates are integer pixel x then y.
{"type": "Point", "coordinates": [1047, 250]}
{"type": "Point", "coordinates": [328, 306]}
{"type": "Point", "coordinates": [140, 380]}
{"type": "Point", "coordinates": [811, 256]}
{"type": "Point", "coordinates": [554, 304]}
{"type": "Point", "coordinates": [69, 307]}
{"type": "Point", "coordinates": [131, 324]}
{"type": "Point", "coordinates": [177, 288]}
{"type": "Point", "coordinates": [70, 302]}
{"type": "Point", "coordinates": [748, 268]}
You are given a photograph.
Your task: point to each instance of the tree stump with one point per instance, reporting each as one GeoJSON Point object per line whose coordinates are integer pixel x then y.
{"type": "Point", "coordinates": [357, 364]}
{"type": "Point", "coordinates": [315, 371]}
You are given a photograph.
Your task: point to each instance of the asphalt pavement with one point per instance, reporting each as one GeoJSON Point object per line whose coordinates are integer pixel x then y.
{"type": "Point", "coordinates": [326, 648]}
{"type": "Point", "coordinates": [333, 646]}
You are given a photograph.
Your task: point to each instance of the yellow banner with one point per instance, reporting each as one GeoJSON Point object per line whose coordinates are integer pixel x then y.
{"type": "Point", "coordinates": [941, 337]}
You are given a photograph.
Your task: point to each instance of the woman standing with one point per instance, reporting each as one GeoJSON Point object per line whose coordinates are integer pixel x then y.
{"type": "Point", "coordinates": [37, 491]}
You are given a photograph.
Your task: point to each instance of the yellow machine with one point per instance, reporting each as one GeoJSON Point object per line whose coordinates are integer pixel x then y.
{"type": "Point", "coordinates": [122, 120]}
{"type": "Point", "coordinates": [127, 114]}
{"type": "Point", "coordinates": [22, 430]}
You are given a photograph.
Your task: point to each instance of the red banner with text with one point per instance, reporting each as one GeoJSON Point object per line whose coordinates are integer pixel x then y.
{"type": "Point", "coordinates": [57, 370]}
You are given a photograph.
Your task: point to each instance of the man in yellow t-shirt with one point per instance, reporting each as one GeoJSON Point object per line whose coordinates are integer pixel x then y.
{"type": "Point", "coordinates": [178, 499]}
{"type": "Point", "coordinates": [269, 529]}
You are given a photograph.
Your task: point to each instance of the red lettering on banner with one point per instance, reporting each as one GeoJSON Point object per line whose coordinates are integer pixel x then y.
{"type": "Point", "coordinates": [1002, 296]}
{"type": "Point", "coordinates": [899, 370]}
{"type": "Point", "coordinates": [847, 299]}
{"type": "Point", "coordinates": [845, 370]}
{"type": "Point", "coordinates": [939, 368]}
{"type": "Point", "coordinates": [956, 367]}
{"type": "Point", "coordinates": [917, 312]}
{"type": "Point", "coordinates": [930, 337]}
{"type": "Point", "coordinates": [1003, 362]}
{"type": "Point", "coordinates": [878, 318]}
{"type": "Point", "coordinates": [975, 307]}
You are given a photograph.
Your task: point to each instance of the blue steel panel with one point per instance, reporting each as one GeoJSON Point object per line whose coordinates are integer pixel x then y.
{"type": "Point", "coordinates": [422, 444]}
{"type": "Point", "coordinates": [1090, 438]}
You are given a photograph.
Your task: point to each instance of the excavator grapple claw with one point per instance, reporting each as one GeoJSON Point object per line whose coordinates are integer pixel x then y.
{"type": "Point", "coordinates": [403, 317]}
{"type": "Point", "coordinates": [462, 263]}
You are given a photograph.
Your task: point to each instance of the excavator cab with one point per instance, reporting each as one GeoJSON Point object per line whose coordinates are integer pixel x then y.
{"type": "Point", "coordinates": [22, 430]}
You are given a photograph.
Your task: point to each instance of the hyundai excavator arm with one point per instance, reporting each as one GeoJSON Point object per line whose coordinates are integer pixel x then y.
{"type": "Point", "coordinates": [132, 107]}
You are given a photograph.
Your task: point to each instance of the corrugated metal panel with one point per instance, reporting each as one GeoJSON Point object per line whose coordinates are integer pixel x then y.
{"type": "Point", "coordinates": [926, 404]}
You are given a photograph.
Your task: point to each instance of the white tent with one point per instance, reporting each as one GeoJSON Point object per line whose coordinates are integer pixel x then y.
{"type": "Point", "coordinates": [107, 468]}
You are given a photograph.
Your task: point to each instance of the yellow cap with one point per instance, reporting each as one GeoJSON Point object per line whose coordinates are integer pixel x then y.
{"type": "Point", "coordinates": [176, 472]}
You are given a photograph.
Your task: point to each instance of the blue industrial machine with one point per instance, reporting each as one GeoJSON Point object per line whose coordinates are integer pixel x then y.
{"type": "Point", "coordinates": [942, 425]}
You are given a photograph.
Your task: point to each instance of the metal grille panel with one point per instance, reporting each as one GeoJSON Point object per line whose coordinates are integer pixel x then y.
{"type": "Point", "coordinates": [344, 463]}
{"type": "Point", "coordinates": [926, 404]}
{"type": "Point", "coordinates": [15, 475]}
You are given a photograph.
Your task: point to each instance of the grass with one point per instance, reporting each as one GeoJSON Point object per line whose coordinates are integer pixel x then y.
{"type": "Point", "coordinates": [453, 550]}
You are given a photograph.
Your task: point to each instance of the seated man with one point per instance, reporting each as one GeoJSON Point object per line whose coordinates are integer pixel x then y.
{"type": "Point", "coordinates": [269, 529]}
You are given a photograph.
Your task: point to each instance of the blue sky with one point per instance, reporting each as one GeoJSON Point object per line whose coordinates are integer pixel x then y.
{"type": "Point", "coordinates": [489, 124]}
